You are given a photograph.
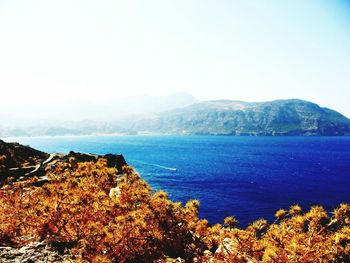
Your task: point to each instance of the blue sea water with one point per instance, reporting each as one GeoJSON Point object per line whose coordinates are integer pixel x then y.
{"type": "Point", "coordinates": [248, 177]}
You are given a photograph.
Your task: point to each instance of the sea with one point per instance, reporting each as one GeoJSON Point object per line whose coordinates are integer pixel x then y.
{"type": "Point", "coordinates": [247, 177]}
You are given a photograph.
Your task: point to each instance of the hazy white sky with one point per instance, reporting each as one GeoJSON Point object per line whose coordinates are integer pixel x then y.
{"type": "Point", "coordinates": [246, 50]}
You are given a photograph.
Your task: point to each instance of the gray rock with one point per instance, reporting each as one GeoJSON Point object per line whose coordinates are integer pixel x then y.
{"type": "Point", "coordinates": [38, 252]}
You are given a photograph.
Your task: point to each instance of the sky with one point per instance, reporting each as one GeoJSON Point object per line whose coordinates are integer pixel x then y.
{"type": "Point", "coordinates": [86, 51]}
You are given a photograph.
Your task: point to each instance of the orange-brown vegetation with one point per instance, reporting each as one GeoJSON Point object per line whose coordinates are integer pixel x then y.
{"type": "Point", "coordinates": [101, 216]}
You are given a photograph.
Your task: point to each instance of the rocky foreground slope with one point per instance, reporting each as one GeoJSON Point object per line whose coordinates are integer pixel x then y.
{"type": "Point", "coordinates": [19, 162]}
{"type": "Point", "coordinates": [91, 208]}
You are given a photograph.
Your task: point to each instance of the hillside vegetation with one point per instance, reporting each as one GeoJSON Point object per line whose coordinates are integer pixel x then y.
{"type": "Point", "coordinates": [89, 212]}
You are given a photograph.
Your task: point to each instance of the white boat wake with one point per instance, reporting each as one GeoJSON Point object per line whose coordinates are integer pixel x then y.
{"type": "Point", "coordinates": [156, 165]}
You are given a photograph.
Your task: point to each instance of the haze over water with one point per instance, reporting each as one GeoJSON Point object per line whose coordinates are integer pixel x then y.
{"type": "Point", "coordinates": [249, 177]}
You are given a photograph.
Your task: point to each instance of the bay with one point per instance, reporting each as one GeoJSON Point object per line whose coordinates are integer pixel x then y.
{"type": "Point", "coordinates": [248, 177]}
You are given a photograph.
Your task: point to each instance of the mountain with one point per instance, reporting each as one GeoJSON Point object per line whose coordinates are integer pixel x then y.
{"type": "Point", "coordinates": [82, 118]}
{"type": "Point", "coordinates": [226, 117]}
{"type": "Point", "coordinates": [218, 117]}
{"type": "Point", "coordinates": [150, 104]}
{"type": "Point", "coordinates": [48, 114]}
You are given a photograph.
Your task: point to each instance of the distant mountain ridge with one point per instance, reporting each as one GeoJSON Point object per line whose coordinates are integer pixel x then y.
{"type": "Point", "coordinates": [108, 109]}
{"type": "Point", "coordinates": [225, 117]}
{"type": "Point", "coordinates": [292, 117]}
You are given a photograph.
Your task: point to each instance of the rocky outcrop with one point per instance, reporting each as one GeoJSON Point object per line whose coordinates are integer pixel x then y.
{"type": "Point", "coordinates": [17, 160]}
{"type": "Point", "coordinates": [17, 155]}
{"type": "Point", "coordinates": [113, 160]}
{"type": "Point", "coordinates": [20, 162]}
{"type": "Point", "coordinates": [81, 157]}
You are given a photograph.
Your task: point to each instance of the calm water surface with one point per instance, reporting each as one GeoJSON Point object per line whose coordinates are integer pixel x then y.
{"type": "Point", "coordinates": [249, 177]}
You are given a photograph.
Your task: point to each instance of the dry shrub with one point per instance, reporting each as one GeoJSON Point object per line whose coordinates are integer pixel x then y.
{"type": "Point", "coordinates": [102, 217]}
